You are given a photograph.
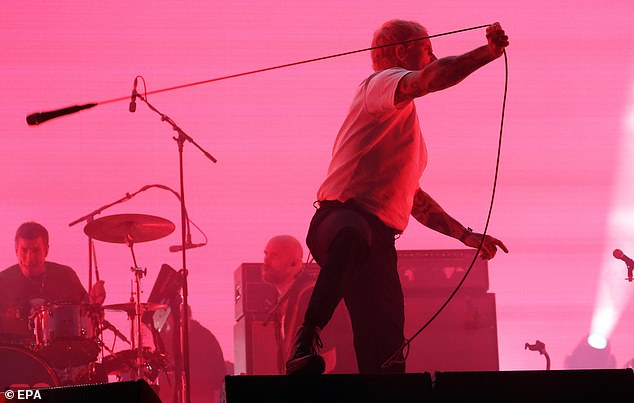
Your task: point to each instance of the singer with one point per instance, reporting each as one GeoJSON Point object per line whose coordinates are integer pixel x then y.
{"type": "Point", "coordinates": [369, 192]}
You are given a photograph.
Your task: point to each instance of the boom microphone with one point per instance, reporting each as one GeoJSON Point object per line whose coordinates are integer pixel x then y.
{"type": "Point", "coordinates": [132, 107]}
{"type": "Point", "coordinates": [618, 253]}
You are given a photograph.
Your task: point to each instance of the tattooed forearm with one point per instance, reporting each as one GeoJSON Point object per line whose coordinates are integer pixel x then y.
{"type": "Point", "coordinates": [429, 213]}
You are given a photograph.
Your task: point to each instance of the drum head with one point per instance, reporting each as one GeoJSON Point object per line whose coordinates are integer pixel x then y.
{"type": "Point", "coordinates": [24, 369]}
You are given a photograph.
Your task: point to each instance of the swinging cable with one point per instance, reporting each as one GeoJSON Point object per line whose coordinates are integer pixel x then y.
{"type": "Point", "coordinates": [41, 117]}
{"type": "Point", "coordinates": [394, 358]}
{"type": "Point", "coordinates": [281, 66]}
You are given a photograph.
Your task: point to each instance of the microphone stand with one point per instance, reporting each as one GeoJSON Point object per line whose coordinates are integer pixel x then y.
{"type": "Point", "coordinates": [90, 216]}
{"type": "Point", "coordinates": [541, 348]}
{"type": "Point", "coordinates": [630, 270]}
{"type": "Point", "coordinates": [184, 378]}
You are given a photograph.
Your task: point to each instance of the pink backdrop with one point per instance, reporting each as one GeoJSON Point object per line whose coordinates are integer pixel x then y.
{"type": "Point", "coordinates": [566, 137]}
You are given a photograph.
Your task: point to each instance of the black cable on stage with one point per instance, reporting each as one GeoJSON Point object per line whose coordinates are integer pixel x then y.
{"type": "Point", "coordinates": [394, 357]}
{"type": "Point", "coordinates": [317, 59]}
{"type": "Point", "coordinates": [41, 117]}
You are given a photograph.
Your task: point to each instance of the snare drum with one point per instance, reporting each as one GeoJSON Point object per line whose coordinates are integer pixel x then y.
{"type": "Point", "coordinates": [66, 334]}
{"type": "Point", "coordinates": [23, 369]}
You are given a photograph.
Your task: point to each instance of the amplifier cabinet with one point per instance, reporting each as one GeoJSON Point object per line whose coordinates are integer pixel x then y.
{"type": "Point", "coordinates": [255, 348]}
{"type": "Point", "coordinates": [439, 270]}
{"type": "Point", "coordinates": [252, 296]}
{"type": "Point", "coordinates": [462, 338]}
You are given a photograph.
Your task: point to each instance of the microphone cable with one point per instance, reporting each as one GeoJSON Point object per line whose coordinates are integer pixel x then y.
{"type": "Point", "coordinates": [316, 59]}
{"type": "Point", "coordinates": [41, 117]}
{"type": "Point", "coordinates": [394, 358]}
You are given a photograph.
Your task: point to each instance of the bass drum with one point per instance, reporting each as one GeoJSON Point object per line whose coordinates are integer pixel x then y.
{"type": "Point", "coordinates": [23, 369]}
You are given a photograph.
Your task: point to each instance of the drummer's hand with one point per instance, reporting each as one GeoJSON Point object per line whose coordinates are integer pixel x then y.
{"type": "Point", "coordinates": [98, 293]}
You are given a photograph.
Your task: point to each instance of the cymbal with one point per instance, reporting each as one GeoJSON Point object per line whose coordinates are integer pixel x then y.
{"type": "Point", "coordinates": [130, 307]}
{"type": "Point", "coordinates": [126, 228]}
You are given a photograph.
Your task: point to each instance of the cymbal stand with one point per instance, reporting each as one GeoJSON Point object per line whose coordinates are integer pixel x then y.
{"type": "Point", "coordinates": [138, 310]}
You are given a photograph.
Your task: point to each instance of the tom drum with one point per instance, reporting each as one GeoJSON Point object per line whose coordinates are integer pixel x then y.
{"type": "Point", "coordinates": [66, 334]}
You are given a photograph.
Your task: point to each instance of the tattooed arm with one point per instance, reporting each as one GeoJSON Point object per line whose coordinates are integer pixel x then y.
{"type": "Point", "coordinates": [429, 213]}
{"type": "Point", "coordinates": [449, 71]}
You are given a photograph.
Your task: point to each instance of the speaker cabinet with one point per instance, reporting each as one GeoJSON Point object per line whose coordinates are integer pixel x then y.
{"type": "Point", "coordinates": [442, 269]}
{"type": "Point", "coordinates": [340, 388]}
{"type": "Point", "coordinates": [462, 338]}
{"type": "Point", "coordinates": [255, 348]}
{"type": "Point", "coordinates": [252, 296]}
{"type": "Point", "coordinates": [602, 385]}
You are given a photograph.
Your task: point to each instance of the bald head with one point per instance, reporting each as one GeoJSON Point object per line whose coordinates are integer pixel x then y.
{"type": "Point", "coordinates": [289, 244]}
{"type": "Point", "coordinates": [282, 260]}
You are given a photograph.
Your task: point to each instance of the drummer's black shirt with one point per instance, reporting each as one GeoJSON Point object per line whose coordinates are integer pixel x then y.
{"type": "Point", "coordinates": [19, 295]}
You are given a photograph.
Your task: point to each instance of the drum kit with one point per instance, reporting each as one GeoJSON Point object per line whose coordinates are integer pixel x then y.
{"type": "Point", "coordinates": [67, 338]}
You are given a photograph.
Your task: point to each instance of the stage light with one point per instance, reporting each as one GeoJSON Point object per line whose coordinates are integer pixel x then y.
{"type": "Point", "coordinates": [597, 341]}
{"type": "Point", "coordinates": [613, 292]}
{"type": "Point", "coordinates": [587, 356]}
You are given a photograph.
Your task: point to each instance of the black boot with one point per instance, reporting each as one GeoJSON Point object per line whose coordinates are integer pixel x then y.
{"type": "Point", "coordinates": [305, 359]}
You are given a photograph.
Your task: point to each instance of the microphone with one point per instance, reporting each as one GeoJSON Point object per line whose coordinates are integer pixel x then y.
{"type": "Point", "coordinates": [538, 346]}
{"type": "Point", "coordinates": [40, 117]}
{"type": "Point", "coordinates": [618, 253]}
{"type": "Point", "coordinates": [110, 326]}
{"type": "Point", "coordinates": [178, 248]}
{"type": "Point", "coordinates": [133, 97]}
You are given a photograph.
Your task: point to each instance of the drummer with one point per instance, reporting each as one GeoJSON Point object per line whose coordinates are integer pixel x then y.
{"type": "Point", "coordinates": [33, 282]}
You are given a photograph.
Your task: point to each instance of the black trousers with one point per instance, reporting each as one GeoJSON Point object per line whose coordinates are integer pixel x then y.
{"type": "Point", "coordinates": [357, 256]}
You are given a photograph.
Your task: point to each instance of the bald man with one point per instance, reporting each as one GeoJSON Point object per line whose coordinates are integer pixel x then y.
{"type": "Point", "coordinates": [283, 268]}
{"type": "Point", "coordinates": [282, 262]}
